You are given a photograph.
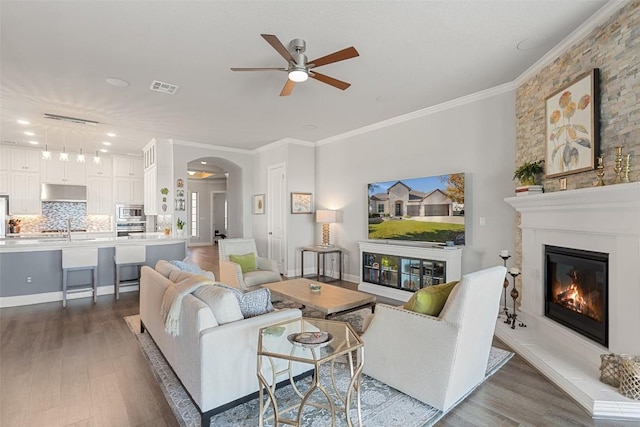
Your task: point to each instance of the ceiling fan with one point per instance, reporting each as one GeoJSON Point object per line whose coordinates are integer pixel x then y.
{"type": "Point", "coordinates": [299, 68]}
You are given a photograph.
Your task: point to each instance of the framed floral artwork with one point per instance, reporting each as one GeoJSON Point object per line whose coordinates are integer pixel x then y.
{"type": "Point", "coordinates": [301, 203]}
{"type": "Point", "coordinates": [258, 204]}
{"type": "Point", "coordinates": [573, 126]}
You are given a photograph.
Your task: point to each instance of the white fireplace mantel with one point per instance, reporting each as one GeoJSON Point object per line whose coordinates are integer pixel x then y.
{"type": "Point", "coordinates": [601, 219]}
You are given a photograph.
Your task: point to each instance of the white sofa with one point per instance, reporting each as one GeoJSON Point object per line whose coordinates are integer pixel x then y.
{"type": "Point", "coordinates": [437, 360]}
{"type": "Point", "coordinates": [216, 363]}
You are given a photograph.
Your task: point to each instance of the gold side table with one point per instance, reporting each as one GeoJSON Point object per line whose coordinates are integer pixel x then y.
{"type": "Point", "coordinates": [274, 346]}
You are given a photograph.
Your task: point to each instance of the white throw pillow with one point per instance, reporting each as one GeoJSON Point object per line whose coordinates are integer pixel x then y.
{"type": "Point", "coordinates": [165, 268]}
{"type": "Point", "coordinates": [222, 302]}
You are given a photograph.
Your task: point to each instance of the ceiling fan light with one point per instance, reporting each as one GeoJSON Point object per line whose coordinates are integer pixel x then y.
{"type": "Point", "coordinates": [298, 76]}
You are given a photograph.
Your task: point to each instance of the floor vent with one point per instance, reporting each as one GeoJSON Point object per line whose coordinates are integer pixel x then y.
{"type": "Point", "coordinates": [164, 87]}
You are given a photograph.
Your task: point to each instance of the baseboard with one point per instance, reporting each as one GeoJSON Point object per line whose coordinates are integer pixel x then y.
{"type": "Point", "coordinates": [20, 300]}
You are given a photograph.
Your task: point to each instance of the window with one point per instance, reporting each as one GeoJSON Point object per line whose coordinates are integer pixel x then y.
{"type": "Point", "coordinates": [381, 208]}
{"type": "Point", "coordinates": [194, 214]}
{"type": "Point", "coordinates": [226, 217]}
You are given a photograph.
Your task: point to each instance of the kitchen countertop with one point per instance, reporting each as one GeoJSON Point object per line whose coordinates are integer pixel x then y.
{"type": "Point", "coordinates": [33, 242]}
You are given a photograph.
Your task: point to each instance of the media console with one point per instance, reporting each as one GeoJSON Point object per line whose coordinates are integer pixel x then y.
{"type": "Point", "coordinates": [396, 270]}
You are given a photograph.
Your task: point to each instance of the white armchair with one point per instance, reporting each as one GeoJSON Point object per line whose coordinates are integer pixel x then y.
{"type": "Point", "coordinates": [231, 273]}
{"type": "Point", "coordinates": [437, 360]}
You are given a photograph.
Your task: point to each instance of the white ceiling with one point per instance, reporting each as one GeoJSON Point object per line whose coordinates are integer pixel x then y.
{"type": "Point", "coordinates": [56, 55]}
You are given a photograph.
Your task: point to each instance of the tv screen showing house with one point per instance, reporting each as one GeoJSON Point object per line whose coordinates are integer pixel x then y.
{"type": "Point", "coordinates": [429, 209]}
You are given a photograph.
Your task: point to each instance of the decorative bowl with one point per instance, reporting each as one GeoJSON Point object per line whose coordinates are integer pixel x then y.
{"type": "Point", "coordinates": [314, 287]}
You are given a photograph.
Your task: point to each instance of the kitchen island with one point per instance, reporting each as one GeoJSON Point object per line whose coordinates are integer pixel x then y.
{"type": "Point", "coordinates": [31, 267]}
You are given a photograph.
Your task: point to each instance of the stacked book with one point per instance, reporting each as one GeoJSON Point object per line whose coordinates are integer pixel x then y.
{"type": "Point", "coordinates": [525, 190]}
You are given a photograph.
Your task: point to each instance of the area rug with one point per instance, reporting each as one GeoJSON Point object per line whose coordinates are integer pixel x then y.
{"type": "Point", "coordinates": [381, 405]}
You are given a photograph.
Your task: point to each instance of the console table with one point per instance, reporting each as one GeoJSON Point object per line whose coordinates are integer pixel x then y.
{"type": "Point", "coordinates": [321, 252]}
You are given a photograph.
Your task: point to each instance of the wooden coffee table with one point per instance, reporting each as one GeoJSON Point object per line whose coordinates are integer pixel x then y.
{"type": "Point", "coordinates": [330, 300]}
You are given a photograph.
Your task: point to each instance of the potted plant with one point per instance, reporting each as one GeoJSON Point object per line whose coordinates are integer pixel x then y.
{"type": "Point", "coordinates": [180, 224]}
{"type": "Point", "coordinates": [14, 225]}
{"type": "Point", "coordinates": [528, 172]}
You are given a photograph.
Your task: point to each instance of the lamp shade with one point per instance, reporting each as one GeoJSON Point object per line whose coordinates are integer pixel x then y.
{"type": "Point", "coordinates": [325, 216]}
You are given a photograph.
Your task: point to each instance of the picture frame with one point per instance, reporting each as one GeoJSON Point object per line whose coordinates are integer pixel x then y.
{"type": "Point", "coordinates": [301, 203]}
{"type": "Point", "coordinates": [572, 130]}
{"type": "Point", "coordinates": [258, 204]}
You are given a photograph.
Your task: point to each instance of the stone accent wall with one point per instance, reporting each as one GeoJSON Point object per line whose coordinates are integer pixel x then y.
{"type": "Point", "coordinates": [614, 48]}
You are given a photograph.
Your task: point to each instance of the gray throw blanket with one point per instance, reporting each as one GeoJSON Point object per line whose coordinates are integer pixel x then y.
{"type": "Point", "coordinates": [172, 301]}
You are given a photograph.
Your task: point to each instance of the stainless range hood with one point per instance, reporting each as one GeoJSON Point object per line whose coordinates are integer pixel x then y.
{"type": "Point", "coordinates": [63, 193]}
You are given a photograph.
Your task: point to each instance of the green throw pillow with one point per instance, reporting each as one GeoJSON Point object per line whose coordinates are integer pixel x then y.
{"type": "Point", "coordinates": [247, 262]}
{"type": "Point", "coordinates": [430, 300]}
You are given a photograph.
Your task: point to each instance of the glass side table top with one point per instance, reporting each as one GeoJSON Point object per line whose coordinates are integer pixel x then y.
{"type": "Point", "coordinates": [274, 340]}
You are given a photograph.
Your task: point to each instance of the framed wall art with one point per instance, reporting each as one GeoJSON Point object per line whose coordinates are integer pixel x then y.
{"type": "Point", "coordinates": [573, 126]}
{"type": "Point", "coordinates": [301, 203]}
{"type": "Point", "coordinates": [258, 204]}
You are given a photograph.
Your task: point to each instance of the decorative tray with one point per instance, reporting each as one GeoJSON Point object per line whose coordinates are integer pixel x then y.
{"type": "Point", "coordinates": [311, 339]}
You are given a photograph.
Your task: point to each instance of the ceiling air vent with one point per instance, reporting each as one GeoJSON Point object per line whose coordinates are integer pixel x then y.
{"type": "Point", "coordinates": [164, 87]}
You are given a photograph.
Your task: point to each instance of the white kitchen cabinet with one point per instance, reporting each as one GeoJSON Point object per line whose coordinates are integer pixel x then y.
{"type": "Point", "coordinates": [4, 181]}
{"type": "Point", "coordinates": [104, 168]}
{"type": "Point", "coordinates": [130, 167]}
{"type": "Point", "coordinates": [4, 158]}
{"type": "Point", "coordinates": [99, 195]}
{"type": "Point", "coordinates": [24, 190]}
{"type": "Point", "coordinates": [128, 190]}
{"type": "Point", "coordinates": [24, 160]}
{"type": "Point", "coordinates": [151, 192]}
{"type": "Point", "coordinates": [149, 155]}
{"type": "Point", "coordinates": [56, 171]}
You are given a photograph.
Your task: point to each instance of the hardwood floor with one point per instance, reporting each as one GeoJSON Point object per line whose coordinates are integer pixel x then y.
{"type": "Point", "coordinates": [81, 366]}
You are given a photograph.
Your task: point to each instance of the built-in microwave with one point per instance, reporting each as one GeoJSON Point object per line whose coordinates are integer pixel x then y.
{"type": "Point", "coordinates": [129, 213]}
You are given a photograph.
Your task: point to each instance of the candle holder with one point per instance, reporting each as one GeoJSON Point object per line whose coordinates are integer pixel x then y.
{"type": "Point", "coordinates": [505, 285]}
{"type": "Point", "coordinates": [512, 318]}
{"type": "Point", "coordinates": [626, 168]}
{"type": "Point", "coordinates": [618, 167]}
{"type": "Point", "coordinates": [600, 173]}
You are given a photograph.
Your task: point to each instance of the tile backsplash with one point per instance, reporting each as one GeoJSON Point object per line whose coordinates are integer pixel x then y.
{"type": "Point", "coordinates": [54, 217]}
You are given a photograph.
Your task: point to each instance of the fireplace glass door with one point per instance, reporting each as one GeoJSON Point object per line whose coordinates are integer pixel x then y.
{"type": "Point", "coordinates": [576, 290]}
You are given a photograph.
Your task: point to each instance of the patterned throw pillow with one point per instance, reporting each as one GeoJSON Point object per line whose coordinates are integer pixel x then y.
{"type": "Point", "coordinates": [252, 303]}
{"type": "Point", "coordinates": [430, 300]}
{"type": "Point", "coordinates": [192, 268]}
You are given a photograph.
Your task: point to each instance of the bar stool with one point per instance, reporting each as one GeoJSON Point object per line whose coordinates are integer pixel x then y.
{"type": "Point", "coordinates": [74, 259]}
{"type": "Point", "coordinates": [129, 256]}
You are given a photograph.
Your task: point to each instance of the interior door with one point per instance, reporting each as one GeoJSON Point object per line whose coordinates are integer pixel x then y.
{"type": "Point", "coordinates": [276, 215]}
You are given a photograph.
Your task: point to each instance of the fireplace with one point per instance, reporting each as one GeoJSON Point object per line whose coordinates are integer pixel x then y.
{"type": "Point", "coordinates": [576, 291]}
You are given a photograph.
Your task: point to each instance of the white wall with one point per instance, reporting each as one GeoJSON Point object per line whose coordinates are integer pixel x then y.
{"type": "Point", "coordinates": [477, 138]}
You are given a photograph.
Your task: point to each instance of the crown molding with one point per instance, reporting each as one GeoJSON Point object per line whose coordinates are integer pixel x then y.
{"type": "Point", "coordinates": [211, 147]}
{"type": "Point", "coordinates": [281, 142]}
{"type": "Point", "coordinates": [577, 35]}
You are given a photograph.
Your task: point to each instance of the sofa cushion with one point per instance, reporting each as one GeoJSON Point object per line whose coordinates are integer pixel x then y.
{"type": "Point", "coordinates": [223, 303]}
{"type": "Point", "coordinates": [165, 268]}
{"type": "Point", "coordinates": [179, 275]}
{"type": "Point", "coordinates": [247, 262]}
{"type": "Point", "coordinates": [430, 300]}
{"type": "Point", "coordinates": [259, 277]}
{"type": "Point", "coordinates": [252, 303]}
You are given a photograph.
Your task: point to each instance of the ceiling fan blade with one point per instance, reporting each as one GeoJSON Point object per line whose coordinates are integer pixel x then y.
{"type": "Point", "coordinates": [341, 55]}
{"type": "Point", "coordinates": [258, 69]}
{"type": "Point", "coordinates": [288, 88]}
{"type": "Point", "coordinates": [330, 80]}
{"type": "Point", "coordinates": [277, 45]}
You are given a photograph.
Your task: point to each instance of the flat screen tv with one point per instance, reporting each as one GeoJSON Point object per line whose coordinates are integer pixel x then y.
{"type": "Point", "coordinates": [429, 209]}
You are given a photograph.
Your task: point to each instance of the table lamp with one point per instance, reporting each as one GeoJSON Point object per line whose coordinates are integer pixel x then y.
{"type": "Point", "coordinates": [326, 217]}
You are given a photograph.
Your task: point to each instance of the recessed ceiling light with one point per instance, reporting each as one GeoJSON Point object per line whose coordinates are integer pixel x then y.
{"type": "Point", "coordinates": [23, 122]}
{"type": "Point", "coordinates": [29, 133]}
{"type": "Point", "coordinates": [111, 134]}
{"type": "Point", "coordinates": [104, 150]}
{"type": "Point", "coordinates": [106, 143]}
{"type": "Point", "coordinates": [113, 81]}
{"type": "Point", "coordinates": [309, 127]}
{"type": "Point", "coordinates": [191, 172]}
{"type": "Point", "coordinates": [531, 43]}
{"type": "Point", "coordinates": [203, 163]}
{"type": "Point", "coordinates": [34, 142]}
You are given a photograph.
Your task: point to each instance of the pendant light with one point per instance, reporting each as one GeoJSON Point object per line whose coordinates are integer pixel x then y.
{"type": "Point", "coordinates": [64, 157]}
{"type": "Point", "coordinates": [96, 158]}
{"type": "Point", "coordinates": [46, 154]}
{"type": "Point", "coordinates": [80, 157]}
